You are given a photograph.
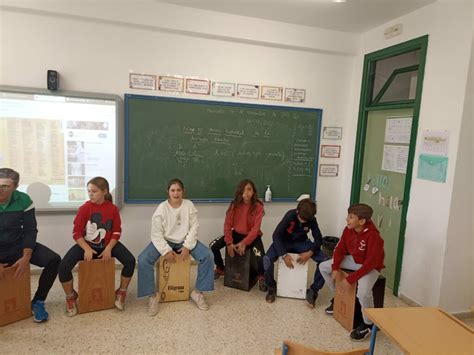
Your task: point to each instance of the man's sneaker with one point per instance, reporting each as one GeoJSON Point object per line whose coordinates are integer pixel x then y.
{"type": "Point", "coordinates": [361, 332]}
{"type": "Point", "coordinates": [198, 299]}
{"type": "Point", "coordinates": [153, 306]}
{"type": "Point", "coordinates": [271, 294]}
{"type": "Point", "coordinates": [311, 297]}
{"type": "Point", "coordinates": [261, 284]}
{"type": "Point", "coordinates": [330, 308]}
{"type": "Point", "coordinates": [218, 272]}
{"type": "Point", "coordinates": [71, 305]}
{"type": "Point", "coordinates": [120, 296]}
{"type": "Point", "coordinates": [39, 313]}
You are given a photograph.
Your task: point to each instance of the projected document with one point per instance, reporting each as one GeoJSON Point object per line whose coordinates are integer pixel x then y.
{"type": "Point", "coordinates": [57, 144]}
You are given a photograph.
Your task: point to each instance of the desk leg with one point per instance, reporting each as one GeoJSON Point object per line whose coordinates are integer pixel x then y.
{"type": "Point", "coordinates": [373, 335]}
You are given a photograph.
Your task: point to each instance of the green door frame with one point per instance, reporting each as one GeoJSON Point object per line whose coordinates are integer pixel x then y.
{"type": "Point", "coordinates": [366, 105]}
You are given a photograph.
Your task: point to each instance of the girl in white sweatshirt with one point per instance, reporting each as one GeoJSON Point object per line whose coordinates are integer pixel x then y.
{"type": "Point", "coordinates": [174, 228]}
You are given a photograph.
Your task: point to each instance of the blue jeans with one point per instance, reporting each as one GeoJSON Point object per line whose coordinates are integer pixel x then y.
{"type": "Point", "coordinates": [298, 248]}
{"type": "Point", "coordinates": [149, 256]}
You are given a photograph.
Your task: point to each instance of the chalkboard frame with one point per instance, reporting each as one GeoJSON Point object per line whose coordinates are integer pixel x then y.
{"type": "Point", "coordinates": [127, 199]}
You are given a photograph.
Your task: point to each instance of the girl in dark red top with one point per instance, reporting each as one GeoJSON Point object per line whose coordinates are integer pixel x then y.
{"type": "Point", "coordinates": [241, 228]}
{"type": "Point", "coordinates": [97, 229]}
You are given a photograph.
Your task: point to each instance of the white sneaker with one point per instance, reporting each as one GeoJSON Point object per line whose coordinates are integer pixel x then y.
{"type": "Point", "coordinates": [198, 299]}
{"type": "Point", "coordinates": [71, 305]}
{"type": "Point", "coordinates": [153, 306]}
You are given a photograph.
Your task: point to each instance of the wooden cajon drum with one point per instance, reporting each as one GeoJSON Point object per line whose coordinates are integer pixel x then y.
{"type": "Point", "coordinates": [344, 303]}
{"type": "Point", "coordinates": [15, 297]}
{"type": "Point", "coordinates": [241, 271]}
{"type": "Point", "coordinates": [96, 285]}
{"type": "Point", "coordinates": [292, 283]}
{"type": "Point", "coordinates": [378, 292]}
{"type": "Point", "coordinates": [173, 279]}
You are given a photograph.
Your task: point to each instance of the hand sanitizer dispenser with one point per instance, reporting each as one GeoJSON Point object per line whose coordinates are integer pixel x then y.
{"type": "Point", "coordinates": [268, 194]}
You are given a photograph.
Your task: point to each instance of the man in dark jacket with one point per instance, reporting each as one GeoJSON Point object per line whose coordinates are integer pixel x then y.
{"type": "Point", "coordinates": [18, 246]}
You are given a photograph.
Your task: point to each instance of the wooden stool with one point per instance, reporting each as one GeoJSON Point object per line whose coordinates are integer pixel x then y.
{"type": "Point", "coordinates": [96, 285]}
{"type": "Point", "coordinates": [347, 309]}
{"type": "Point", "coordinates": [241, 271]}
{"type": "Point", "coordinates": [292, 283]}
{"type": "Point", "coordinates": [173, 279]}
{"type": "Point", "coordinates": [15, 297]}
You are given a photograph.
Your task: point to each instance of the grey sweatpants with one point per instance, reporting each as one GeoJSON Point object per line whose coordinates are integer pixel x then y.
{"type": "Point", "coordinates": [364, 284]}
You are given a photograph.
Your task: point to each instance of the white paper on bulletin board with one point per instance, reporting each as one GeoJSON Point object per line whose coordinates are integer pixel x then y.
{"type": "Point", "coordinates": [395, 158]}
{"type": "Point", "coordinates": [435, 142]}
{"type": "Point", "coordinates": [398, 130]}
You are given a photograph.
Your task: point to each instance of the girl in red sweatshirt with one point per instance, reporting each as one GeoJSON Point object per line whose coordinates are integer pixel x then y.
{"type": "Point", "coordinates": [241, 228]}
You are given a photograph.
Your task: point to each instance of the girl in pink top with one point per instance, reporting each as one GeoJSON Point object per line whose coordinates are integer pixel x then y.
{"type": "Point", "coordinates": [241, 229]}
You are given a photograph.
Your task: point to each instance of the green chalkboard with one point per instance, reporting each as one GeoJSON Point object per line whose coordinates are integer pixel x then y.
{"type": "Point", "coordinates": [212, 145]}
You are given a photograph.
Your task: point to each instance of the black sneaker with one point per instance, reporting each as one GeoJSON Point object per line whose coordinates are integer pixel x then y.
{"type": "Point", "coordinates": [271, 294]}
{"type": "Point", "coordinates": [261, 284]}
{"type": "Point", "coordinates": [361, 332]}
{"type": "Point", "coordinates": [330, 309]}
{"type": "Point", "coordinates": [311, 296]}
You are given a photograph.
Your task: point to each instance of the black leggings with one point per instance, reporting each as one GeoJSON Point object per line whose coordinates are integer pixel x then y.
{"type": "Point", "coordinates": [217, 244]}
{"type": "Point", "coordinates": [76, 254]}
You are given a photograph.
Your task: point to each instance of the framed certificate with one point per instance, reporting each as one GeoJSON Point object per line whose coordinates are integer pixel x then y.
{"type": "Point", "coordinates": [198, 86]}
{"type": "Point", "coordinates": [295, 95]}
{"type": "Point", "coordinates": [271, 93]}
{"type": "Point", "coordinates": [330, 151]}
{"type": "Point", "coordinates": [142, 81]}
{"type": "Point", "coordinates": [171, 83]}
{"type": "Point", "coordinates": [332, 133]}
{"type": "Point", "coordinates": [223, 89]}
{"type": "Point", "coordinates": [330, 170]}
{"type": "Point", "coordinates": [246, 91]}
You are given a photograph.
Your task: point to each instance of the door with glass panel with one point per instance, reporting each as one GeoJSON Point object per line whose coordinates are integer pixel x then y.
{"type": "Point", "coordinates": [386, 138]}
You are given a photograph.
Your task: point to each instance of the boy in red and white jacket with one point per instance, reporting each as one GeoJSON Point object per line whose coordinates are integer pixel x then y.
{"type": "Point", "coordinates": [360, 249]}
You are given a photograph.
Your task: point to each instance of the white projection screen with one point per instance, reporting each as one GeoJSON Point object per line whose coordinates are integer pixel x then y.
{"type": "Point", "coordinates": [58, 141]}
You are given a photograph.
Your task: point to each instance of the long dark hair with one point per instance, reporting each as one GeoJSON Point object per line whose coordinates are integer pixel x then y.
{"type": "Point", "coordinates": [238, 199]}
{"type": "Point", "coordinates": [102, 184]}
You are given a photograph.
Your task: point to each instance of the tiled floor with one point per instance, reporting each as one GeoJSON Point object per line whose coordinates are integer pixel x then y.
{"type": "Point", "coordinates": [236, 323]}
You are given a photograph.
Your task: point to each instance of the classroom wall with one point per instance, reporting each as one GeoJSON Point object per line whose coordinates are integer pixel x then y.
{"type": "Point", "coordinates": [427, 247]}
{"type": "Point", "coordinates": [94, 48]}
{"type": "Point", "coordinates": [457, 292]}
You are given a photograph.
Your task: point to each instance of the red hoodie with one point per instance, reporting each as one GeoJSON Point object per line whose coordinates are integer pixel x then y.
{"type": "Point", "coordinates": [366, 247]}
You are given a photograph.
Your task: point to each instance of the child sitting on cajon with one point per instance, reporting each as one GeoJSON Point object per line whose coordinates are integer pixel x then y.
{"type": "Point", "coordinates": [360, 249]}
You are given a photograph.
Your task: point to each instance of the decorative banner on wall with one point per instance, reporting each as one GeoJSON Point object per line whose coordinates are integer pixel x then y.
{"type": "Point", "coordinates": [142, 81]}
{"type": "Point", "coordinates": [432, 167]}
{"type": "Point", "coordinates": [223, 89]}
{"type": "Point", "coordinates": [330, 170]}
{"type": "Point", "coordinates": [198, 86]}
{"type": "Point", "coordinates": [330, 151]}
{"type": "Point", "coordinates": [295, 95]}
{"type": "Point", "coordinates": [171, 83]}
{"type": "Point", "coordinates": [332, 133]}
{"type": "Point", "coordinates": [246, 91]}
{"type": "Point", "coordinates": [272, 93]}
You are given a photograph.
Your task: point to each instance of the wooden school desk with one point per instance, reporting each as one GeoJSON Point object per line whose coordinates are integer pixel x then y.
{"type": "Point", "coordinates": [422, 330]}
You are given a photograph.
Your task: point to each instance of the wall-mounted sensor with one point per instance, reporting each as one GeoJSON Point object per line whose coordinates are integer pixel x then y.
{"type": "Point", "coordinates": [52, 80]}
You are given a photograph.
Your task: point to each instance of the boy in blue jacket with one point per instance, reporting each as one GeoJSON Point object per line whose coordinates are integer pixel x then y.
{"type": "Point", "coordinates": [291, 236]}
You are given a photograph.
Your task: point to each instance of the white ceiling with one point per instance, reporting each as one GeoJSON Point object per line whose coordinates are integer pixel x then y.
{"type": "Point", "coordinates": [352, 16]}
